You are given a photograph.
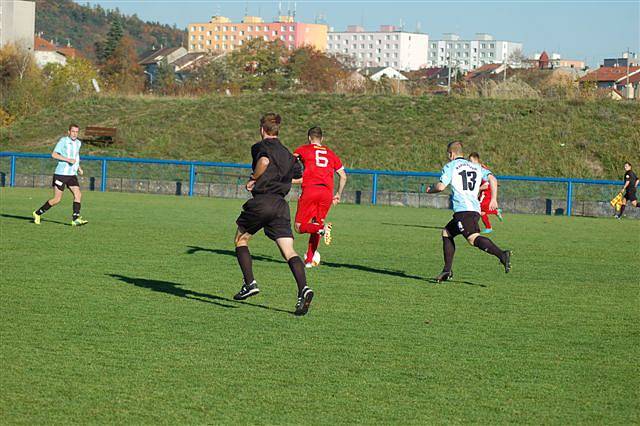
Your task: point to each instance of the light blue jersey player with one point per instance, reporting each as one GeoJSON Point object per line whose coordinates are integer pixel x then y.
{"type": "Point", "coordinates": [465, 177]}
{"type": "Point", "coordinates": [67, 152]}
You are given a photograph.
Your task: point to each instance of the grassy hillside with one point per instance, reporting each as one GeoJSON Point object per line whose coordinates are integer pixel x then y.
{"type": "Point", "coordinates": [550, 138]}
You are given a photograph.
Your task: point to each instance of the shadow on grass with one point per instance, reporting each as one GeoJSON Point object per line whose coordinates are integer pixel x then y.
{"type": "Point", "coordinates": [413, 226]}
{"type": "Point", "coordinates": [30, 219]}
{"type": "Point", "coordinates": [362, 268]}
{"type": "Point", "coordinates": [175, 290]}
{"type": "Point", "coordinates": [433, 281]}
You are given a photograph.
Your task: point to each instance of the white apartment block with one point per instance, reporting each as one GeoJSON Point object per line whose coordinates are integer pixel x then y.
{"type": "Point", "coordinates": [17, 23]}
{"type": "Point", "coordinates": [467, 55]}
{"type": "Point", "coordinates": [388, 47]}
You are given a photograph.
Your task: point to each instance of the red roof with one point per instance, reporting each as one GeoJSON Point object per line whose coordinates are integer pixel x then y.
{"type": "Point", "coordinates": [43, 45]}
{"type": "Point", "coordinates": [609, 73]}
{"type": "Point", "coordinates": [69, 52]}
{"type": "Point", "coordinates": [634, 77]}
{"type": "Point", "coordinates": [483, 70]}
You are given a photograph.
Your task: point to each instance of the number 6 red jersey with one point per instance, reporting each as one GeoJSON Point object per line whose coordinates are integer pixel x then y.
{"type": "Point", "coordinates": [320, 163]}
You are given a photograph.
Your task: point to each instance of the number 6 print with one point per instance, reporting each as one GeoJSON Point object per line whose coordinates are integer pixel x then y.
{"type": "Point", "coordinates": [320, 160]}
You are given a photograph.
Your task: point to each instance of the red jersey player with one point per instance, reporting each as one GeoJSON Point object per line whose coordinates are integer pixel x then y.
{"type": "Point", "coordinates": [485, 198]}
{"type": "Point", "coordinates": [320, 164]}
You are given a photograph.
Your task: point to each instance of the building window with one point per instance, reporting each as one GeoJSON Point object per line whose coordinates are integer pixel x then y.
{"type": "Point", "coordinates": [397, 46]}
{"type": "Point", "coordinates": [482, 55]}
{"type": "Point", "coordinates": [370, 46]}
{"type": "Point", "coordinates": [362, 37]}
{"type": "Point", "coordinates": [240, 43]}
{"type": "Point", "coordinates": [492, 46]}
{"type": "Point", "coordinates": [224, 37]}
{"type": "Point", "coordinates": [193, 47]}
{"type": "Point", "coordinates": [193, 29]}
{"type": "Point", "coordinates": [330, 37]}
{"type": "Point", "coordinates": [450, 45]}
{"type": "Point", "coordinates": [370, 37]}
{"type": "Point", "coordinates": [434, 46]}
{"type": "Point", "coordinates": [242, 33]}
{"type": "Point", "coordinates": [379, 50]}
{"type": "Point", "coordinates": [475, 50]}
{"type": "Point", "coordinates": [282, 37]}
{"type": "Point", "coordinates": [379, 41]}
{"type": "Point", "coordinates": [386, 64]}
{"type": "Point", "coordinates": [395, 64]}
{"type": "Point", "coordinates": [201, 28]}
{"type": "Point", "coordinates": [225, 28]}
{"type": "Point", "coordinates": [330, 46]}
{"type": "Point", "coordinates": [233, 37]}
{"type": "Point", "coordinates": [193, 37]}
{"type": "Point", "coordinates": [208, 42]}
{"type": "Point", "coordinates": [396, 37]}
{"type": "Point", "coordinates": [265, 28]}
{"type": "Point", "coordinates": [200, 46]}
{"type": "Point", "coordinates": [362, 46]}
{"type": "Point", "coordinates": [466, 54]}
{"type": "Point", "coordinates": [201, 37]}
{"type": "Point", "coordinates": [458, 54]}
{"type": "Point", "coordinates": [388, 46]}
{"type": "Point", "coordinates": [292, 28]}
{"type": "Point", "coordinates": [249, 28]}
{"type": "Point", "coordinates": [346, 42]}
{"type": "Point", "coordinates": [370, 55]}
{"type": "Point", "coordinates": [249, 37]}
{"type": "Point", "coordinates": [265, 38]}
{"type": "Point", "coordinates": [442, 50]}
{"type": "Point", "coordinates": [491, 54]}
{"type": "Point", "coordinates": [290, 37]}
{"type": "Point", "coordinates": [209, 33]}
{"type": "Point", "coordinates": [387, 37]}
{"type": "Point", "coordinates": [354, 46]}
{"type": "Point", "coordinates": [433, 54]}
{"type": "Point", "coordinates": [338, 37]}
{"type": "Point", "coordinates": [466, 45]}
{"type": "Point", "coordinates": [234, 28]}
{"type": "Point", "coordinates": [216, 37]}
{"type": "Point", "coordinates": [483, 46]}
{"type": "Point", "coordinates": [395, 55]}
{"type": "Point", "coordinates": [457, 45]}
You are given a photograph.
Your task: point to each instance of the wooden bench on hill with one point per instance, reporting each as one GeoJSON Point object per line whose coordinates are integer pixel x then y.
{"type": "Point", "coordinates": [103, 135]}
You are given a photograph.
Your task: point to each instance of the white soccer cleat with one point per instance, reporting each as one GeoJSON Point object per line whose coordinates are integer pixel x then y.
{"type": "Point", "coordinates": [316, 259]}
{"type": "Point", "coordinates": [308, 265]}
{"type": "Point", "coordinates": [327, 233]}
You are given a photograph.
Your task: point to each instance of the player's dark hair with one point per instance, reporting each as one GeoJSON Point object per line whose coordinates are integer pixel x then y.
{"type": "Point", "coordinates": [627, 164]}
{"type": "Point", "coordinates": [270, 122]}
{"type": "Point", "coordinates": [72, 125]}
{"type": "Point", "coordinates": [455, 146]}
{"type": "Point", "coordinates": [315, 133]}
{"type": "Point", "coordinates": [475, 155]}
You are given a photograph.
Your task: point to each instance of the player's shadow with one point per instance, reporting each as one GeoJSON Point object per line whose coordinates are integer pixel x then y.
{"type": "Point", "coordinates": [433, 281]}
{"type": "Point", "coordinates": [30, 218]}
{"type": "Point", "coordinates": [413, 226]}
{"type": "Point", "coordinates": [174, 289]}
{"type": "Point", "coordinates": [260, 258]}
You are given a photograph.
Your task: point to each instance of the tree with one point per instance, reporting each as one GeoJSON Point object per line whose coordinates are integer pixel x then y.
{"type": "Point", "coordinates": [260, 65]}
{"type": "Point", "coordinates": [313, 71]}
{"type": "Point", "coordinates": [104, 50]}
{"type": "Point", "coordinates": [122, 71]}
{"type": "Point", "coordinates": [516, 58]}
{"type": "Point", "coordinates": [165, 79]}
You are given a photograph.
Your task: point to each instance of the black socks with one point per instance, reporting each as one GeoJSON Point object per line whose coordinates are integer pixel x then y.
{"type": "Point", "coordinates": [244, 260]}
{"type": "Point", "coordinates": [449, 249]}
{"type": "Point", "coordinates": [297, 268]}
{"type": "Point", "coordinates": [46, 206]}
{"type": "Point", "coordinates": [76, 210]}
{"type": "Point", "coordinates": [485, 244]}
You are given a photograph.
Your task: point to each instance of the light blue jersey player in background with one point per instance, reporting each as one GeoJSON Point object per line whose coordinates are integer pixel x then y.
{"type": "Point", "coordinates": [67, 152]}
{"type": "Point", "coordinates": [465, 177]}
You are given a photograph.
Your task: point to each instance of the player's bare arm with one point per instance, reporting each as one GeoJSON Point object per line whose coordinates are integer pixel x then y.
{"type": "Point", "coordinates": [493, 182]}
{"type": "Point", "coordinates": [59, 157]}
{"type": "Point", "coordinates": [261, 167]}
{"type": "Point", "coordinates": [438, 187]}
{"type": "Point", "coordinates": [343, 181]}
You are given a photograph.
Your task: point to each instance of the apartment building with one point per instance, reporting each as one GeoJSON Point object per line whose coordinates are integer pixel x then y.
{"type": "Point", "coordinates": [17, 23]}
{"type": "Point", "coordinates": [388, 47]}
{"type": "Point", "coordinates": [470, 54]}
{"type": "Point", "coordinates": [222, 35]}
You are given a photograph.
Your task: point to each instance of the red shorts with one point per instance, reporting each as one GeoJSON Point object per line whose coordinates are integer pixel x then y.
{"type": "Point", "coordinates": [484, 204]}
{"type": "Point", "coordinates": [314, 202]}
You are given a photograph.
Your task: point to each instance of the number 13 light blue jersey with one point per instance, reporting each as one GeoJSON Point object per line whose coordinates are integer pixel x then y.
{"type": "Point", "coordinates": [465, 178]}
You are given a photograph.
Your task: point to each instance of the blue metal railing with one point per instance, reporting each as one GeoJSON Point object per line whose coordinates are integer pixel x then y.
{"type": "Point", "coordinates": [375, 174]}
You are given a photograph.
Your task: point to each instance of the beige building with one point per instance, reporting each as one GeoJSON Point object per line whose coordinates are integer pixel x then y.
{"type": "Point", "coordinates": [17, 23]}
{"type": "Point", "coordinates": [221, 35]}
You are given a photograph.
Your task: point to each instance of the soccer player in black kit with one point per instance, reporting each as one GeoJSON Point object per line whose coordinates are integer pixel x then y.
{"type": "Point", "coordinates": [629, 189]}
{"type": "Point", "coordinates": [274, 167]}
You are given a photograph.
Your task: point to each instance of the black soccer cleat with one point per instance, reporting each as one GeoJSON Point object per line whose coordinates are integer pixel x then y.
{"type": "Point", "coordinates": [506, 261]}
{"type": "Point", "coordinates": [444, 276]}
{"type": "Point", "coordinates": [247, 291]}
{"type": "Point", "coordinates": [304, 300]}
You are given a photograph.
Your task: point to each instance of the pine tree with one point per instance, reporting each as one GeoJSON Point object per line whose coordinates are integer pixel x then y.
{"type": "Point", "coordinates": [104, 50]}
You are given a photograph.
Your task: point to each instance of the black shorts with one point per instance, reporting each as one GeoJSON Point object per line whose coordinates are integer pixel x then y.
{"type": "Point", "coordinates": [464, 223]}
{"type": "Point", "coordinates": [62, 181]}
{"type": "Point", "coordinates": [631, 196]}
{"type": "Point", "coordinates": [268, 212]}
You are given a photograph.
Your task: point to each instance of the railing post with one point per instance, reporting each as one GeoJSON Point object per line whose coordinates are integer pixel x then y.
{"type": "Point", "coordinates": [103, 182]}
{"type": "Point", "coordinates": [569, 197]}
{"type": "Point", "coordinates": [374, 190]}
{"type": "Point", "coordinates": [12, 179]}
{"type": "Point", "coordinates": [192, 178]}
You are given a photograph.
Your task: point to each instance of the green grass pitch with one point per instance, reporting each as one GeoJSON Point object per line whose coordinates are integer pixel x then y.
{"type": "Point", "coordinates": [130, 319]}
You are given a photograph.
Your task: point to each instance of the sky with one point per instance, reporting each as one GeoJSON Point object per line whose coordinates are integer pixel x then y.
{"type": "Point", "coordinates": [577, 29]}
